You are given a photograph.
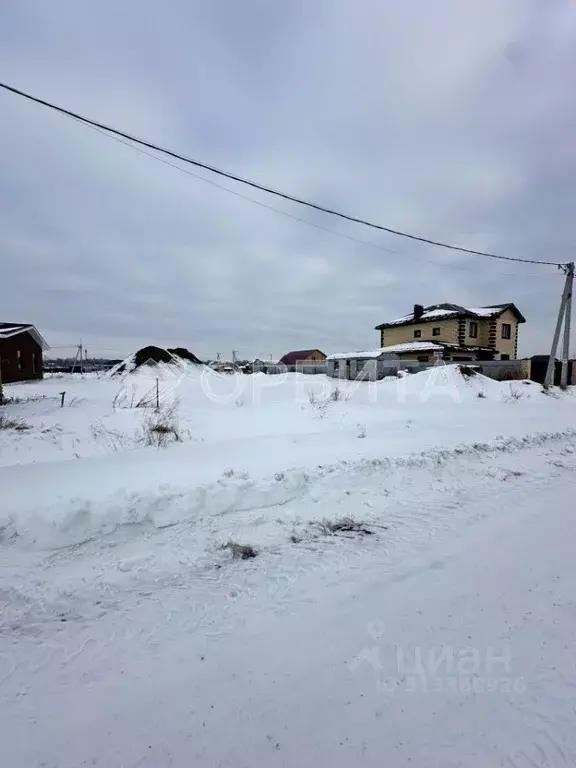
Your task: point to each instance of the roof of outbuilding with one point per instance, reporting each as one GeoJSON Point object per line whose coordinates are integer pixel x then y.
{"type": "Point", "coordinates": [290, 358]}
{"type": "Point", "coordinates": [413, 346]}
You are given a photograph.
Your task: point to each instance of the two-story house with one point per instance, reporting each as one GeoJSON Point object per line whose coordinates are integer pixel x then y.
{"type": "Point", "coordinates": [456, 333]}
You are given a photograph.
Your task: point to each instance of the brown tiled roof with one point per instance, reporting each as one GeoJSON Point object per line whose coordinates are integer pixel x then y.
{"type": "Point", "coordinates": [291, 358]}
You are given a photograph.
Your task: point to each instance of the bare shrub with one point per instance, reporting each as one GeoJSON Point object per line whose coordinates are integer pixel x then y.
{"type": "Point", "coordinates": [160, 428]}
{"type": "Point", "coordinates": [482, 394]}
{"type": "Point", "coordinates": [319, 404]}
{"type": "Point", "coordinates": [361, 431]}
{"type": "Point", "coordinates": [337, 395]}
{"type": "Point", "coordinates": [240, 551]}
{"type": "Point", "coordinates": [513, 396]}
{"type": "Point", "coordinates": [18, 424]}
{"type": "Point", "coordinates": [467, 371]}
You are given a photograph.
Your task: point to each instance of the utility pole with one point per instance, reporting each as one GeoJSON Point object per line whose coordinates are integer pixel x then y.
{"type": "Point", "coordinates": [567, 322]}
{"type": "Point", "coordinates": [564, 314]}
{"type": "Point", "coordinates": [233, 355]}
{"type": "Point", "coordinates": [78, 353]}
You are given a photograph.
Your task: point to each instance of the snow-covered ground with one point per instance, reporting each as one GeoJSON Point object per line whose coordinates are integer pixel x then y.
{"type": "Point", "coordinates": [219, 412]}
{"type": "Point", "coordinates": [437, 634]}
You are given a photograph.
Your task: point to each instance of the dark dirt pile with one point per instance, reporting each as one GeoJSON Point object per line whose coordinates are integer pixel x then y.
{"type": "Point", "coordinates": [153, 356]}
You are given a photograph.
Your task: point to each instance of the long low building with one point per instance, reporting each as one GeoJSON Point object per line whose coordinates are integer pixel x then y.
{"type": "Point", "coordinates": [418, 351]}
{"type": "Point", "coordinates": [364, 363]}
{"type": "Point", "coordinates": [409, 351]}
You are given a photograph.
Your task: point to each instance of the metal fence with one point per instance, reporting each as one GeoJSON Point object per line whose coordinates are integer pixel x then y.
{"type": "Point", "coordinates": [372, 370]}
{"type": "Point", "coordinates": [361, 369]}
{"type": "Point", "coordinates": [276, 368]}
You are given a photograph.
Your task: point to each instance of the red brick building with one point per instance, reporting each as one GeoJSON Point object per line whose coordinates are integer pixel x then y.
{"type": "Point", "coordinates": [21, 353]}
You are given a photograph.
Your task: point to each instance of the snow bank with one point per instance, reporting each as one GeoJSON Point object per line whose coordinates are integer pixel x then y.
{"type": "Point", "coordinates": [76, 511]}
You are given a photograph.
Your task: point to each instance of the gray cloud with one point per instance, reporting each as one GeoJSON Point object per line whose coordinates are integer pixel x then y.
{"type": "Point", "coordinates": [453, 120]}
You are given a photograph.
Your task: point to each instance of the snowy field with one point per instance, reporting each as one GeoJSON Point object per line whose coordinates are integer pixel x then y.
{"type": "Point", "coordinates": [407, 597]}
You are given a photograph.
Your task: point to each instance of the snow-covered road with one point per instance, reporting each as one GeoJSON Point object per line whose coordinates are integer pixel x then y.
{"type": "Point", "coordinates": [445, 639]}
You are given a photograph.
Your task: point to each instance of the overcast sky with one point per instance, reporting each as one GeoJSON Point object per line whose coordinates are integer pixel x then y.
{"type": "Point", "coordinates": [452, 119]}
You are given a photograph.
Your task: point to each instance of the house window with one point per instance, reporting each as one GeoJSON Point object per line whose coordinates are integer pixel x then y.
{"type": "Point", "coordinates": [417, 334]}
{"type": "Point", "coordinates": [504, 357]}
{"type": "Point", "coordinates": [20, 360]}
{"type": "Point", "coordinates": [506, 330]}
{"type": "Point", "coordinates": [423, 358]}
{"type": "Point", "coordinates": [473, 330]}
{"type": "Point", "coordinates": [435, 331]}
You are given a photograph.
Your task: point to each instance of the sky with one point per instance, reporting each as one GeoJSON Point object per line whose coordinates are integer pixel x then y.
{"type": "Point", "coordinates": [452, 120]}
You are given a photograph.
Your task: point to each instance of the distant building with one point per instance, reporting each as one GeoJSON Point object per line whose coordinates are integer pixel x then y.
{"type": "Point", "coordinates": [21, 353]}
{"type": "Point", "coordinates": [303, 356]}
{"type": "Point", "coordinates": [464, 333]}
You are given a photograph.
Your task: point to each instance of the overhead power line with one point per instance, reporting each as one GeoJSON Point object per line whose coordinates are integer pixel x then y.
{"type": "Point", "coordinates": [351, 238]}
{"type": "Point", "coordinates": [264, 188]}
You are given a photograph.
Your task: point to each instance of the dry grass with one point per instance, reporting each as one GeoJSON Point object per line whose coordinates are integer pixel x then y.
{"type": "Point", "coordinates": [337, 396]}
{"type": "Point", "coordinates": [160, 428]}
{"type": "Point", "coordinates": [240, 551]}
{"type": "Point", "coordinates": [128, 400]}
{"type": "Point", "coordinates": [116, 440]}
{"type": "Point", "coordinates": [146, 401]}
{"type": "Point", "coordinates": [18, 424]}
{"type": "Point", "coordinates": [27, 399]}
{"type": "Point", "coordinates": [514, 396]}
{"type": "Point", "coordinates": [513, 376]}
{"type": "Point", "coordinates": [345, 525]}
{"type": "Point", "coordinates": [321, 404]}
